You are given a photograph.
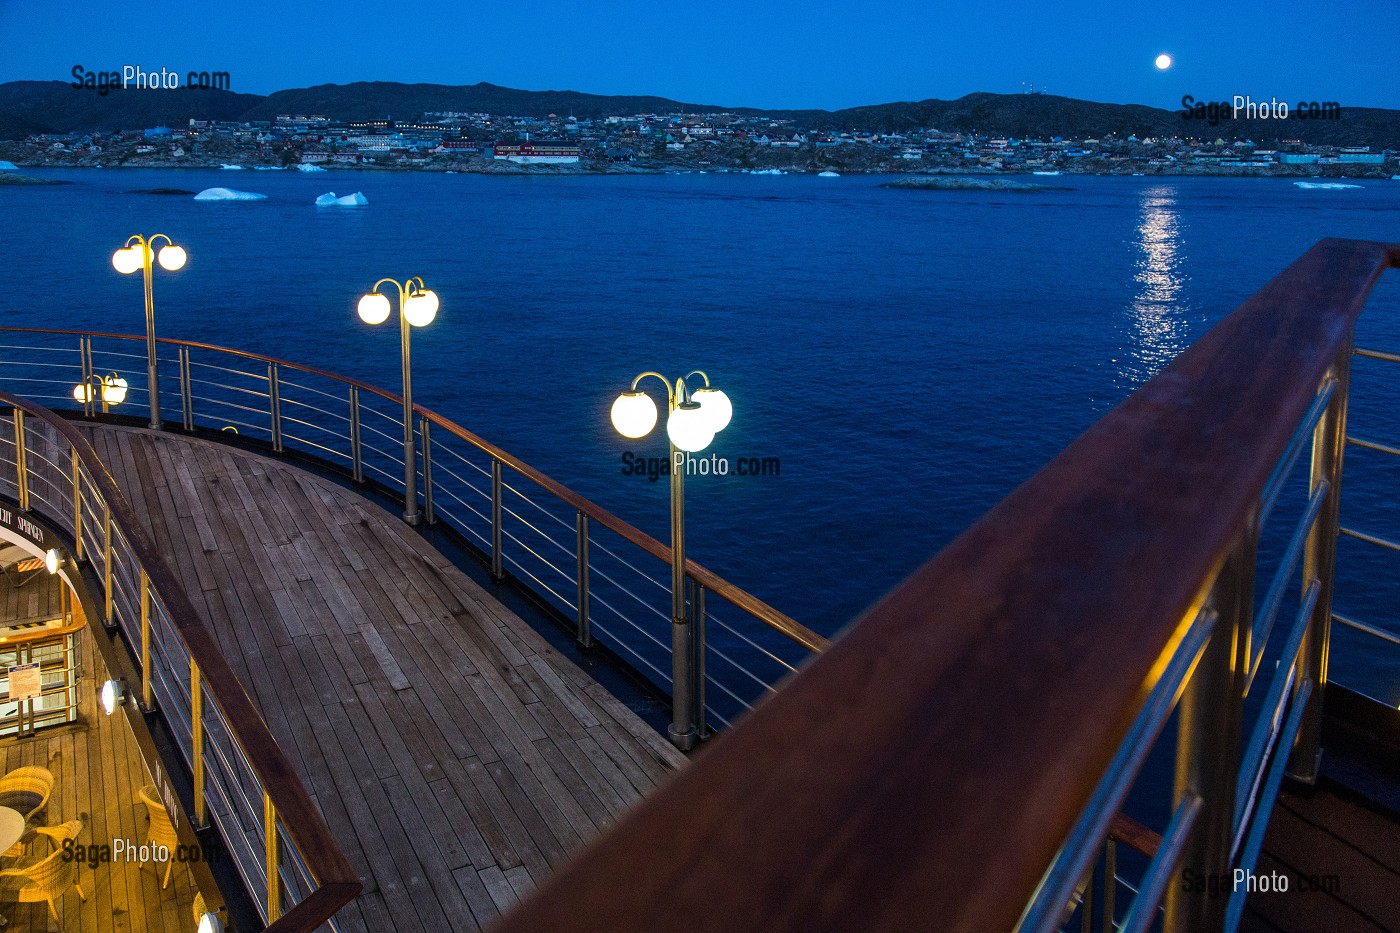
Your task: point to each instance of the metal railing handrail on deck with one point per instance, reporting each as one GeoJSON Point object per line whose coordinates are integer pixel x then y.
{"type": "Point", "coordinates": [334, 421]}
{"type": "Point", "coordinates": [100, 519]}
{"type": "Point", "coordinates": [955, 759]}
{"type": "Point", "coordinates": [761, 611]}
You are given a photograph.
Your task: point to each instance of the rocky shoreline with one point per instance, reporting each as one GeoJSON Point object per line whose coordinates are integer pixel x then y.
{"type": "Point", "coordinates": [17, 178]}
{"type": "Point", "coordinates": [486, 166]}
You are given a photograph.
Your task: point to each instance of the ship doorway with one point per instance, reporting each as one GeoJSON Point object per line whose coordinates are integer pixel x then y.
{"type": "Point", "coordinates": [39, 664]}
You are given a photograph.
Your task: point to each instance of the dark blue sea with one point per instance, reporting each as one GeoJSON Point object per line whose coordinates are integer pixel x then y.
{"type": "Point", "coordinates": [909, 356]}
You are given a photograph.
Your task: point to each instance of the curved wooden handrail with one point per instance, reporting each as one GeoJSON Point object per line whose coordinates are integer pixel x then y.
{"type": "Point", "coordinates": [923, 772]}
{"type": "Point", "coordinates": [732, 594]}
{"type": "Point", "coordinates": [337, 882]}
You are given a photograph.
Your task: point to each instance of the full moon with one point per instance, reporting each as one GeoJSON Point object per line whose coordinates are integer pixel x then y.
{"type": "Point", "coordinates": [1164, 61]}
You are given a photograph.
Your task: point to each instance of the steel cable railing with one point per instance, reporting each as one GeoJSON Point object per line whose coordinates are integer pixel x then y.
{"type": "Point", "coordinates": [527, 526]}
{"type": "Point", "coordinates": [216, 730]}
{"type": "Point", "coordinates": [1019, 681]}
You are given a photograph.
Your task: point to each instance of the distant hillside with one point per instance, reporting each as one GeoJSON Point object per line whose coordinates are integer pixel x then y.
{"type": "Point", "coordinates": [55, 106]}
{"type": "Point", "coordinates": [1043, 116]}
{"type": "Point", "coordinates": [371, 100]}
{"type": "Point", "coordinates": [58, 107]}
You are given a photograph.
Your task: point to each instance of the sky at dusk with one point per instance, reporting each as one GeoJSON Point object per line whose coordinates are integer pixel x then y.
{"type": "Point", "coordinates": [777, 54]}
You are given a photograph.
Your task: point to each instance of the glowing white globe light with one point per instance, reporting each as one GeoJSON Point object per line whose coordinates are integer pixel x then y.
{"type": "Point", "coordinates": [172, 258]}
{"type": "Point", "coordinates": [80, 392]}
{"type": "Point", "coordinates": [1164, 61]}
{"type": "Point", "coordinates": [374, 308]}
{"type": "Point", "coordinates": [420, 309]}
{"type": "Point", "coordinates": [689, 429]}
{"type": "Point", "coordinates": [127, 259]}
{"type": "Point", "coordinates": [112, 695]}
{"type": "Point", "coordinates": [716, 407]}
{"type": "Point", "coordinates": [51, 560]}
{"type": "Point", "coordinates": [114, 390]}
{"type": "Point", "coordinates": [634, 414]}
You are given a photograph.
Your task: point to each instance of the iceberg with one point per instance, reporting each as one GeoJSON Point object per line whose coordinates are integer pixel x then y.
{"type": "Point", "coordinates": [231, 168]}
{"type": "Point", "coordinates": [8, 166]}
{"type": "Point", "coordinates": [1324, 185]}
{"type": "Point", "coordinates": [227, 194]}
{"type": "Point", "coordinates": [828, 174]}
{"type": "Point", "coordinates": [308, 167]}
{"type": "Point", "coordinates": [767, 171]}
{"type": "Point", "coordinates": [350, 200]}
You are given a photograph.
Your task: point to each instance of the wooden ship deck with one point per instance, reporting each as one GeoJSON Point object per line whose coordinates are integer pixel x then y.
{"type": "Point", "coordinates": [961, 758]}
{"type": "Point", "coordinates": [455, 755]}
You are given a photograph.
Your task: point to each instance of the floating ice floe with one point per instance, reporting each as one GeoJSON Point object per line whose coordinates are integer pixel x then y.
{"type": "Point", "coordinates": [231, 168]}
{"type": "Point", "coordinates": [269, 168]}
{"type": "Point", "coordinates": [8, 166]}
{"type": "Point", "coordinates": [1324, 185]}
{"type": "Point", "coordinates": [227, 194]}
{"type": "Point", "coordinates": [350, 200]}
{"type": "Point", "coordinates": [767, 171]}
{"type": "Point", "coordinates": [828, 174]}
{"type": "Point", "coordinates": [308, 167]}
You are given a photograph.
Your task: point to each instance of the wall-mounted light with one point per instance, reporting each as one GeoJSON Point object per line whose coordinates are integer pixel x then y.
{"type": "Point", "coordinates": [112, 695]}
{"type": "Point", "coordinates": [52, 560]}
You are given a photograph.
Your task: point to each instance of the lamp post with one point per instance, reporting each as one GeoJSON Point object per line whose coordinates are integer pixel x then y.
{"type": "Point", "coordinates": [109, 390]}
{"type": "Point", "coordinates": [137, 254]}
{"type": "Point", "coordinates": [418, 305]}
{"type": "Point", "coordinates": [693, 420]}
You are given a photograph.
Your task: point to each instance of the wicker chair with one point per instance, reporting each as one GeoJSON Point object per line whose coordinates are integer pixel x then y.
{"type": "Point", "coordinates": [27, 791]}
{"type": "Point", "coordinates": [162, 831]}
{"type": "Point", "coordinates": [47, 880]}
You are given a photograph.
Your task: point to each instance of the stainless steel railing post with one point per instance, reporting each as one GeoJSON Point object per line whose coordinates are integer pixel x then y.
{"type": "Point", "coordinates": [697, 628]}
{"type": "Point", "coordinates": [1209, 729]}
{"type": "Point", "coordinates": [77, 507]}
{"type": "Point", "coordinates": [186, 390]}
{"type": "Point", "coordinates": [423, 428]}
{"type": "Point", "coordinates": [21, 461]}
{"type": "Point", "coordinates": [1320, 563]}
{"type": "Point", "coordinates": [274, 405]}
{"type": "Point", "coordinates": [357, 461]}
{"type": "Point", "coordinates": [1110, 886]}
{"type": "Point", "coordinates": [585, 627]}
{"type": "Point", "coordinates": [107, 591]}
{"type": "Point", "coordinates": [497, 558]}
{"type": "Point", "coordinates": [85, 364]}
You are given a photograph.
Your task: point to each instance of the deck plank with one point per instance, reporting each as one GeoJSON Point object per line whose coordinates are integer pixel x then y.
{"type": "Point", "coordinates": [456, 756]}
{"type": "Point", "coordinates": [1339, 858]}
{"type": "Point", "coordinates": [97, 772]}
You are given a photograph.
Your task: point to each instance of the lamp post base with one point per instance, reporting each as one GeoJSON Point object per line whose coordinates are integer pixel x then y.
{"type": "Point", "coordinates": [413, 518]}
{"type": "Point", "coordinates": [685, 741]}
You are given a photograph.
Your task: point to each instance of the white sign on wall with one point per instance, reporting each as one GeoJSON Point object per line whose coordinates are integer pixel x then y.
{"type": "Point", "coordinates": [25, 682]}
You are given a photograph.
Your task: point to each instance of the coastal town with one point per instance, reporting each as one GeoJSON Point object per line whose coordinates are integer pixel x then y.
{"type": "Point", "coordinates": [708, 142]}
